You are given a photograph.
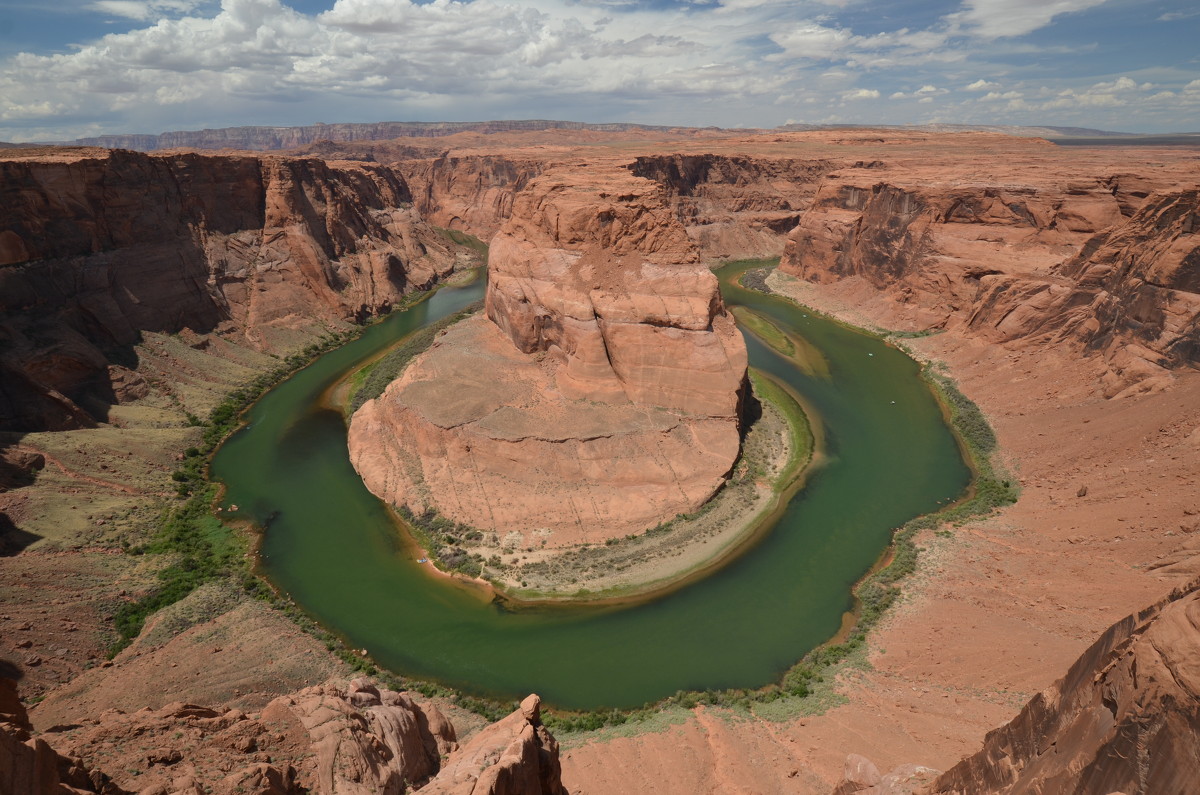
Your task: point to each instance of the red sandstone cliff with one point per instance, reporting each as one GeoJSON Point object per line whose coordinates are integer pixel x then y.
{"type": "Point", "coordinates": [1125, 718]}
{"type": "Point", "coordinates": [96, 248]}
{"type": "Point", "coordinates": [1090, 261]}
{"type": "Point", "coordinates": [600, 395]}
{"type": "Point", "coordinates": [474, 194]}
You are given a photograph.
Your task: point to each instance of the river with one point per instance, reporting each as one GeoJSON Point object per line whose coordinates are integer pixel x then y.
{"type": "Point", "coordinates": [337, 551]}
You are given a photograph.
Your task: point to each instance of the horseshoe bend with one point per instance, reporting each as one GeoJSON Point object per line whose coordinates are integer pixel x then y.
{"type": "Point", "coordinates": [598, 395]}
{"type": "Point", "coordinates": [146, 299]}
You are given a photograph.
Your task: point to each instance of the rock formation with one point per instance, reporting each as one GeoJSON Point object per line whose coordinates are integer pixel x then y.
{"type": "Point", "coordinates": [470, 193]}
{"type": "Point", "coordinates": [364, 741]}
{"type": "Point", "coordinates": [28, 765]}
{"type": "Point", "coordinates": [97, 247]}
{"type": "Point", "coordinates": [333, 739]}
{"type": "Point", "coordinates": [514, 756]}
{"type": "Point", "coordinates": [600, 395]}
{"type": "Point", "coordinates": [1125, 718]}
{"type": "Point", "coordinates": [736, 206]}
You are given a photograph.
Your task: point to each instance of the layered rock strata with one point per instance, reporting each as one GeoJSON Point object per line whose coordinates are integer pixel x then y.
{"type": "Point", "coordinates": [599, 396]}
{"type": "Point", "coordinates": [736, 206]}
{"type": "Point", "coordinates": [98, 247]}
{"type": "Point", "coordinates": [1099, 262]}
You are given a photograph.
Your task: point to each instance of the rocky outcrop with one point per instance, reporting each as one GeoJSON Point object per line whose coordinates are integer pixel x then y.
{"type": "Point", "coordinates": [1125, 718]}
{"type": "Point", "coordinates": [97, 248]}
{"type": "Point", "coordinates": [28, 765]}
{"type": "Point", "coordinates": [600, 395]}
{"type": "Point", "coordinates": [861, 777]}
{"type": "Point", "coordinates": [1039, 263]}
{"type": "Point", "coordinates": [514, 756]}
{"type": "Point", "coordinates": [334, 739]}
{"type": "Point", "coordinates": [364, 741]}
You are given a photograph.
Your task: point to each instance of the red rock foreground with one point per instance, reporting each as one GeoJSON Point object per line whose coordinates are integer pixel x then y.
{"type": "Point", "coordinates": [1125, 718]}
{"type": "Point", "coordinates": [600, 395]}
{"type": "Point", "coordinates": [355, 740]}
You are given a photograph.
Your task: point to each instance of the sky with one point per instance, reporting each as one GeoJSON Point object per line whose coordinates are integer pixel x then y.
{"type": "Point", "coordinates": [77, 68]}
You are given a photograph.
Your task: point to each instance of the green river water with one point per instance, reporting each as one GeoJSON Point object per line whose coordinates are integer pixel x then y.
{"type": "Point", "coordinates": [335, 549]}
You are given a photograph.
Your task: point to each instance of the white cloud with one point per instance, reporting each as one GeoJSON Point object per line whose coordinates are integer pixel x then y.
{"type": "Point", "coordinates": [808, 39]}
{"type": "Point", "coordinates": [993, 19]}
{"type": "Point", "coordinates": [143, 10]}
{"type": "Point", "coordinates": [996, 95]}
{"type": "Point", "coordinates": [725, 62]}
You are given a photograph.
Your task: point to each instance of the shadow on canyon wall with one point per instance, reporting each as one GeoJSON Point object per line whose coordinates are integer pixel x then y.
{"type": "Point", "coordinates": [18, 468]}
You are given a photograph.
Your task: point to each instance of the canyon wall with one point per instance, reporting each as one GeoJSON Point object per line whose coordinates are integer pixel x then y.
{"type": "Point", "coordinates": [1097, 262]}
{"type": "Point", "coordinates": [736, 206]}
{"type": "Point", "coordinates": [599, 396]}
{"type": "Point", "coordinates": [98, 247]}
{"type": "Point", "coordinates": [470, 193]}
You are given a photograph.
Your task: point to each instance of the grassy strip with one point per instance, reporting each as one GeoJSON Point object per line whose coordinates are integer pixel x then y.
{"type": "Point", "coordinates": [369, 382]}
{"type": "Point", "coordinates": [464, 239]}
{"type": "Point", "coordinates": [765, 330]}
{"type": "Point", "coordinates": [803, 442]}
{"type": "Point", "coordinates": [444, 540]}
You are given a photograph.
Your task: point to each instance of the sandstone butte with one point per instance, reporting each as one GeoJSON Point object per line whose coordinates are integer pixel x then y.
{"type": "Point", "coordinates": [1061, 283]}
{"type": "Point", "coordinates": [599, 396]}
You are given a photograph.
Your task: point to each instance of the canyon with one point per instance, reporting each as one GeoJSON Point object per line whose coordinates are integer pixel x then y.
{"type": "Point", "coordinates": [1057, 286]}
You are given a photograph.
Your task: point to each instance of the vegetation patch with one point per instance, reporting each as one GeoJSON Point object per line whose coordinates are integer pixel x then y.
{"type": "Point", "coordinates": [465, 240]}
{"type": "Point", "coordinates": [199, 547]}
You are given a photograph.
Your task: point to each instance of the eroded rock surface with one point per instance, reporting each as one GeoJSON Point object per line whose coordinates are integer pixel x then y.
{"type": "Point", "coordinates": [99, 247]}
{"type": "Point", "coordinates": [333, 739]}
{"type": "Point", "coordinates": [1094, 261]}
{"type": "Point", "coordinates": [1125, 718]}
{"type": "Point", "coordinates": [28, 765]}
{"type": "Point", "coordinates": [514, 756]}
{"type": "Point", "coordinates": [600, 395]}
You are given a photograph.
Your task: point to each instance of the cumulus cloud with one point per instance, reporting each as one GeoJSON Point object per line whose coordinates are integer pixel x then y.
{"type": "Point", "coordinates": [730, 62]}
